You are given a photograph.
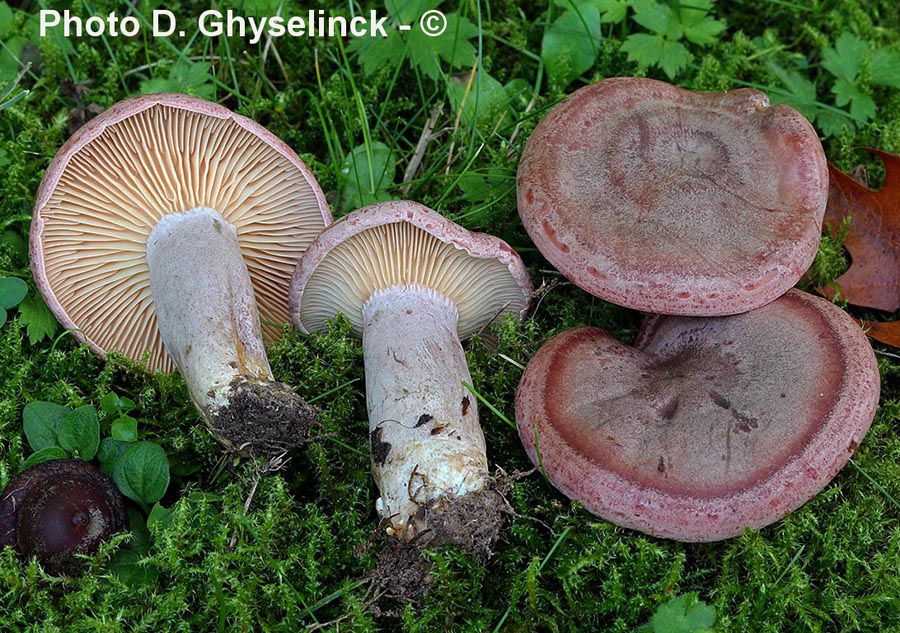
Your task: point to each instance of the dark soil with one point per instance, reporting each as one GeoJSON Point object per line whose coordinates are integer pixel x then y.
{"type": "Point", "coordinates": [471, 523]}
{"type": "Point", "coordinates": [264, 418]}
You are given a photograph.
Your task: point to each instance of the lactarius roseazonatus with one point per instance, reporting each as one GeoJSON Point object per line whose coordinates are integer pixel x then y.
{"type": "Point", "coordinates": [707, 426]}
{"type": "Point", "coordinates": [414, 284]}
{"type": "Point", "coordinates": [171, 221]}
{"type": "Point", "coordinates": [671, 201]}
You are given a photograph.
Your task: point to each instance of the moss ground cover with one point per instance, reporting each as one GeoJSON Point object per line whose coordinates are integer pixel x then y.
{"type": "Point", "coordinates": [442, 121]}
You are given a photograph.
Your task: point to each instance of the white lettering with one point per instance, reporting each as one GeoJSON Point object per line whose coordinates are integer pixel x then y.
{"type": "Point", "coordinates": [358, 26]}
{"type": "Point", "coordinates": [94, 26]}
{"type": "Point", "coordinates": [130, 26]}
{"type": "Point", "coordinates": [377, 24]}
{"type": "Point", "coordinates": [276, 26]}
{"type": "Point", "coordinates": [158, 30]}
{"type": "Point", "coordinates": [49, 19]}
{"type": "Point", "coordinates": [256, 29]}
{"type": "Point", "coordinates": [296, 27]}
{"type": "Point", "coordinates": [214, 28]}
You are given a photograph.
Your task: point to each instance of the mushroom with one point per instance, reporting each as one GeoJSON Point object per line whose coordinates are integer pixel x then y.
{"type": "Point", "coordinates": [159, 228]}
{"type": "Point", "coordinates": [707, 426]}
{"type": "Point", "coordinates": [671, 201]}
{"type": "Point", "coordinates": [58, 509]}
{"type": "Point", "coordinates": [413, 285]}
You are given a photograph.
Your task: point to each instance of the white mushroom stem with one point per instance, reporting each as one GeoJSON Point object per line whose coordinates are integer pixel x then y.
{"type": "Point", "coordinates": [209, 323]}
{"type": "Point", "coordinates": [427, 444]}
{"type": "Point", "coordinates": [205, 305]}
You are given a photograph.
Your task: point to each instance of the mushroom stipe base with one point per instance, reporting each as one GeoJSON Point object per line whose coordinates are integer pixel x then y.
{"type": "Point", "coordinates": [471, 523]}
{"type": "Point", "coordinates": [208, 319]}
{"type": "Point", "coordinates": [263, 417]}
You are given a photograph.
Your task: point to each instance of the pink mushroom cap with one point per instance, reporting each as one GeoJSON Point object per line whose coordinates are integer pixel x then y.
{"type": "Point", "coordinates": [404, 243]}
{"type": "Point", "coordinates": [707, 426]}
{"type": "Point", "coordinates": [141, 159]}
{"type": "Point", "coordinates": [672, 201]}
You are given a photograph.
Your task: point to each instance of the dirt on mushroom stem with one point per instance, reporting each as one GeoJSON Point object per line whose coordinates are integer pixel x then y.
{"type": "Point", "coordinates": [471, 523]}
{"type": "Point", "coordinates": [263, 418]}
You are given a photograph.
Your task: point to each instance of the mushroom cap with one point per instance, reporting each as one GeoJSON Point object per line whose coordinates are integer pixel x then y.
{"type": "Point", "coordinates": [58, 509]}
{"type": "Point", "coordinates": [404, 243]}
{"type": "Point", "coordinates": [707, 426]}
{"type": "Point", "coordinates": [672, 201]}
{"type": "Point", "coordinates": [146, 157]}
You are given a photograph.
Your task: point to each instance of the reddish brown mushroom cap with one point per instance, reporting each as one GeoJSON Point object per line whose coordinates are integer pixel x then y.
{"type": "Point", "coordinates": [144, 158]}
{"type": "Point", "coordinates": [706, 426]}
{"type": "Point", "coordinates": [672, 201]}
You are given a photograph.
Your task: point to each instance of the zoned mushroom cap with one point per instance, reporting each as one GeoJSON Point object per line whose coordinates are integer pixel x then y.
{"type": "Point", "coordinates": [146, 157]}
{"type": "Point", "coordinates": [404, 243]}
{"type": "Point", "coordinates": [671, 201]}
{"type": "Point", "coordinates": [708, 425]}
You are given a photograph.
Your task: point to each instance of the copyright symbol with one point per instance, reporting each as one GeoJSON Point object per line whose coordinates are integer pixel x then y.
{"type": "Point", "coordinates": [433, 23]}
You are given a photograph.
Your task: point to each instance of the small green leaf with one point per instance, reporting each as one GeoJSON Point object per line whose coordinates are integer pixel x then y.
{"type": "Point", "coordinates": [612, 10]}
{"type": "Point", "coordinates": [408, 11]}
{"type": "Point", "coordinates": [79, 432]}
{"type": "Point", "coordinates": [6, 20]}
{"type": "Point", "coordinates": [884, 69]}
{"type": "Point", "coordinates": [35, 314]}
{"type": "Point", "coordinates": [675, 58]}
{"type": "Point", "coordinates": [12, 291]}
{"type": "Point", "coordinates": [799, 93]}
{"type": "Point", "coordinates": [129, 567]}
{"type": "Point", "coordinates": [683, 614]}
{"type": "Point", "coordinates": [653, 16]}
{"type": "Point", "coordinates": [698, 27]}
{"type": "Point", "coordinates": [11, 238]}
{"type": "Point", "coordinates": [10, 57]}
{"type": "Point", "coordinates": [483, 102]}
{"type": "Point", "coordinates": [127, 404]}
{"type": "Point", "coordinates": [160, 517]}
{"type": "Point", "coordinates": [831, 123]}
{"type": "Point", "coordinates": [643, 48]}
{"type": "Point", "coordinates": [569, 47]}
{"type": "Point", "coordinates": [424, 52]}
{"type": "Point", "coordinates": [367, 175]}
{"type": "Point", "coordinates": [141, 539]}
{"type": "Point", "coordinates": [193, 78]}
{"type": "Point", "coordinates": [109, 453]}
{"type": "Point", "coordinates": [124, 429]}
{"type": "Point", "coordinates": [862, 106]}
{"type": "Point", "coordinates": [110, 403]}
{"type": "Point", "coordinates": [41, 422]}
{"type": "Point", "coordinates": [478, 187]}
{"type": "Point", "coordinates": [845, 59]}
{"type": "Point", "coordinates": [376, 52]}
{"type": "Point", "coordinates": [43, 455]}
{"type": "Point", "coordinates": [142, 472]}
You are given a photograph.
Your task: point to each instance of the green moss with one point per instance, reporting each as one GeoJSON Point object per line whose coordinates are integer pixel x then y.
{"type": "Point", "coordinates": [301, 553]}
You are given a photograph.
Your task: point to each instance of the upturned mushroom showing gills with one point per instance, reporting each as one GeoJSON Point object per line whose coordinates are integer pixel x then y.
{"type": "Point", "coordinates": [162, 230]}
{"type": "Point", "coordinates": [58, 509]}
{"type": "Point", "coordinates": [707, 426]}
{"type": "Point", "coordinates": [671, 201]}
{"type": "Point", "coordinates": [414, 284]}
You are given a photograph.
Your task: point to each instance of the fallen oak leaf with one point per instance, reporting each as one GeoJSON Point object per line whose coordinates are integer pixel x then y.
{"type": "Point", "coordinates": [873, 241]}
{"type": "Point", "coordinates": [884, 332]}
